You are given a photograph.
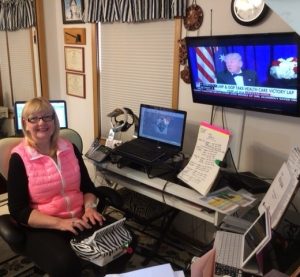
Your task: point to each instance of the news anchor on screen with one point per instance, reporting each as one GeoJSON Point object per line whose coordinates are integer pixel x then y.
{"type": "Point", "coordinates": [234, 74]}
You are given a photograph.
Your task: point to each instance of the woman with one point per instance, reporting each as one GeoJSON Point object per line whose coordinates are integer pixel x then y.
{"type": "Point", "coordinates": [49, 191]}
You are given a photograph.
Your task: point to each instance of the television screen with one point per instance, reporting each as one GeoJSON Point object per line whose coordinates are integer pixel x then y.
{"type": "Point", "coordinates": [253, 72]}
{"type": "Point", "coordinates": [59, 106]}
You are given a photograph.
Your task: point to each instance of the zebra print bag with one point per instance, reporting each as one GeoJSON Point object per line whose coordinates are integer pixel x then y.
{"type": "Point", "coordinates": [105, 244]}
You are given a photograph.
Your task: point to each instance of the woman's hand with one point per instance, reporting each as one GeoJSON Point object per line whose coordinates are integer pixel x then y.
{"type": "Point", "coordinates": [93, 216]}
{"type": "Point", "coordinates": [73, 225]}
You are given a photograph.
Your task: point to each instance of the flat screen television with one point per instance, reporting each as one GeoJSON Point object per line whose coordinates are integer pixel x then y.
{"type": "Point", "coordinates": [270, 81]}
{"type": "Point", "coordinates": [59, 106]}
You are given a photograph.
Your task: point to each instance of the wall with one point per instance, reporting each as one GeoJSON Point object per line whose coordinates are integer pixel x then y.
{"type": "Point", "coordinates": [80, 111]}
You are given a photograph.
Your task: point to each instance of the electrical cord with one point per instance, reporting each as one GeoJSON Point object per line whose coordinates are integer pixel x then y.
{"type": "Point", "coordinates": [163, 192]}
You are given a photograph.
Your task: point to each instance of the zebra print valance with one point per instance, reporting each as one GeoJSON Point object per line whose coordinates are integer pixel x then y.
{"type": "Point", "coordinates": [132, 10]}
{"type": "Point", "coordinates": [16, 14]}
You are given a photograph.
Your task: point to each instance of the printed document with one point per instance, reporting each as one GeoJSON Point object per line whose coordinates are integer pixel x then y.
{"type": "Point", "coordinates": [202, 170]}
{"type": "Point", "coordinates": [280, 193]}
{"type": "Point", "coordinates": [226, 200]}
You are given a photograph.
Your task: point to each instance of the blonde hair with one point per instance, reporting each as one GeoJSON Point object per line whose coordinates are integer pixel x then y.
{"type": "Point", "coordinates": [35, 105]}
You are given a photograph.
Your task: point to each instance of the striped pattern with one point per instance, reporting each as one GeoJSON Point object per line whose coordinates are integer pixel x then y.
{"type": "Point", "coordinates": [16, 14]}
{"type": "Point", "coordinates": [132, 10]}
{"type": "Point", "coordinates": [205, 65]}
{"type": "Point", "coordinates": [105, 244]}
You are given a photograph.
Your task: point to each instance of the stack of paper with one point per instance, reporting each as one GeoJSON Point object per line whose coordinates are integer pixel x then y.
{"type": "Point", "coordinates": [226, 200]}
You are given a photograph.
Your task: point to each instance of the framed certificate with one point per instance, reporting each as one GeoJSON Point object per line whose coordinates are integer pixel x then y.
{"type": "Point", "coordinates": [75, 84]}
{"type": "Point", "coordinates": [74, 58]}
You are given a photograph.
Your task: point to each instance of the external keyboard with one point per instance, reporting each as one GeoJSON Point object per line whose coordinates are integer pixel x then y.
{"type": "Point", "coordinates": [228, 246]}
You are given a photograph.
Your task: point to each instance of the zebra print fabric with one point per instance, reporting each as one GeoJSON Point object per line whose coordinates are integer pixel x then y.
{"type": "Point", "coordinates": [104, 245]}
{"type": "Point", "coordinates": [132, 10]}
{"type": "Point", "coordinates": [16, 14]}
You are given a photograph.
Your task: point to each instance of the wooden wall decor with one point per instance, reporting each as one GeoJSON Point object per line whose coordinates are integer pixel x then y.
{"type": "Point", "coordinates": [75, 36]}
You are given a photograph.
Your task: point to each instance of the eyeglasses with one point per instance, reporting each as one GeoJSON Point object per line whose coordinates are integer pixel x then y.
{"type": "Point", "coordinates": [45, 118]}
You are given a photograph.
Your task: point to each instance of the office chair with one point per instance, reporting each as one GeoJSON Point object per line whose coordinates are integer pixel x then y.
{"type": "Point", "coordinates": [9, 229]}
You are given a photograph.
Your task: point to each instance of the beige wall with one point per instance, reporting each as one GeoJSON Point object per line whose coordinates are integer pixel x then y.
{"type": "Point", "coordinates": [267, 139]}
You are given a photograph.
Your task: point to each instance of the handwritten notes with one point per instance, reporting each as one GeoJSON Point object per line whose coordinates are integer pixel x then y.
{"type": "Point", "coordinates": [201, 171]}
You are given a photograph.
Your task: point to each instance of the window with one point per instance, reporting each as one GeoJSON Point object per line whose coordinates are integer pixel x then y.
{"type": "Point", "coordinates": [136, 66]}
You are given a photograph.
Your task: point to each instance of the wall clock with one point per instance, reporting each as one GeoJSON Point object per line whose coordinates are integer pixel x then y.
{"type": "Point", "coordinates": [248, 12]}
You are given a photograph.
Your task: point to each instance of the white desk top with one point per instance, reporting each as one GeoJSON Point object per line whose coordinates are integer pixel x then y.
{"type": "Point", "coordinates": [177, 196]}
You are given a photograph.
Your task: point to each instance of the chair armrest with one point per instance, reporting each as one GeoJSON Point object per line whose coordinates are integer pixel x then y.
{"type": "Point", "coordinates": [11, 232]}
{"type": "Point", "coordinates": [108, 197]}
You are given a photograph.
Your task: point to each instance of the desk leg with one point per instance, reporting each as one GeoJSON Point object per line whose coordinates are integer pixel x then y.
{"type": "Point", "coordinates": [166, 224]}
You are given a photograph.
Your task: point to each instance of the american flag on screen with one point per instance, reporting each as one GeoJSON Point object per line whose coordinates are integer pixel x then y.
{"type": "Point", "coordinates": [205, 64]}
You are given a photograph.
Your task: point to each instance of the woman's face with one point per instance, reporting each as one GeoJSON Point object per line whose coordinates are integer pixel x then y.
{"type": "Point", "coordinates": [40, 125]}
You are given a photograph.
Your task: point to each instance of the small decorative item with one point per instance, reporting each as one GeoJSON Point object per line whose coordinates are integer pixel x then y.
{"type": "Point", "coordinates": [75, 84]}
{"type": "Point", "coordinates": [182, 52]}
{"type": "Point", "coordinates": [194, 17]}
{"type": "Point", "coordinates": [185, 75]}
{"type": "Point", "coordinates": [72, 11]}
{"type": "Point", "coordinates": [74, 58]}
{"type": "Point", "coordinates": [283, 73]}
{"type": "Point", "coordinates": [284, 68]}
{"type": "Point", "coordinates": [248, 12]}
{"type": "Point", "coordinates": [75, 36]}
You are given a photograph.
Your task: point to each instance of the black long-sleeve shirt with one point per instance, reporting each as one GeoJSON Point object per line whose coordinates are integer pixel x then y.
{"type": "Point", "coordinates": [18, 193]}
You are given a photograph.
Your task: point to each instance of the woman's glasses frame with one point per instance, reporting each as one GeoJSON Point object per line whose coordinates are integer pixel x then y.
{"type": "Point", "coordinates": [45, 118]}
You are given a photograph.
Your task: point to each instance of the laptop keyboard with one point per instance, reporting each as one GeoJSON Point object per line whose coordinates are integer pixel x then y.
{"type": "Point", "coordinates": [228, 254]}
{"type": "Point", "coordinates": [142, 151]}
{"type": "Point", "coordinates": [221, 270]}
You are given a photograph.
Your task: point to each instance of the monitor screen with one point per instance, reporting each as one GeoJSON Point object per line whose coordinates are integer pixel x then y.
{"type": "Point", "coordinates": [162, 125]}
{"type": "Point", "coordinates": [253, 72]}
{"type": "Point", "coordinates": [59, 106]}
{"type": "Point", "coordinates": [257, 235]}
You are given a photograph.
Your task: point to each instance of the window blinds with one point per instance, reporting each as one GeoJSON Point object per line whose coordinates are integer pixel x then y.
{"type": "Point", "coordinates": [17, 60]}
{"type": "Point", "coordinates": [136, 66]}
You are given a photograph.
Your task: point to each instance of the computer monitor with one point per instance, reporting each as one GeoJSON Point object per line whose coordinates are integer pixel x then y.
{"type": "Point", "coordinates": [59, 106]}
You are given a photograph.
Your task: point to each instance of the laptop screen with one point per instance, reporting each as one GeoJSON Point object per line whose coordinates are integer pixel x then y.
{"type": "Point", "coordinates": [256, 237]}
{"type": "Point", "coordinates": [162, 125]}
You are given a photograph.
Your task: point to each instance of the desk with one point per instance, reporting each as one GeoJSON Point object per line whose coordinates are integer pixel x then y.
{"type": "Point", "coordinates": [177, 196]}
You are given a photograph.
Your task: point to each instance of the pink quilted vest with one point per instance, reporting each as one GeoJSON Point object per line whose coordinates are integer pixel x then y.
{"type": "Point", "coordinates": [54, 189]}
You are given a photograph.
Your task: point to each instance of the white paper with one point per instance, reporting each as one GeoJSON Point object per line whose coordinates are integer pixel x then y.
{"type": "Point", "coordinates": [202, 170]}
{"type": "Point", "coordinates": [226, 200]}
{"type": "Point", "coordinates": [164, 270]}
{"type": "Point", "coordinates": [279, 194]}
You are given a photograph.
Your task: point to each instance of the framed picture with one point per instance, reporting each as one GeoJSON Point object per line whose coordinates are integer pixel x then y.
{"type": "Point", "coordinates": [75, 84]}
{"type": "Point", "coordinates": [72, 11]}
{"type": "Point", "coordinates": [74, 58]}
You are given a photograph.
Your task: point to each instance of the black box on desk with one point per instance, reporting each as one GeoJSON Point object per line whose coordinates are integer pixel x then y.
{"type": "Point", "coordinates": [242, 180]}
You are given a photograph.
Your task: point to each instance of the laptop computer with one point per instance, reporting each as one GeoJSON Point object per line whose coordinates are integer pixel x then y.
{"type": "Point", "coordinates": [236, 253]}
{"type": "Point", "coordinates": [160, 135]}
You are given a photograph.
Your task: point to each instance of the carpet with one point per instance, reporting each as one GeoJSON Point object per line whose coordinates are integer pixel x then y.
{"type": "Point", "coordinates": [13, 265]}
{"type": "Point", "coordinates": [17, 266]}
